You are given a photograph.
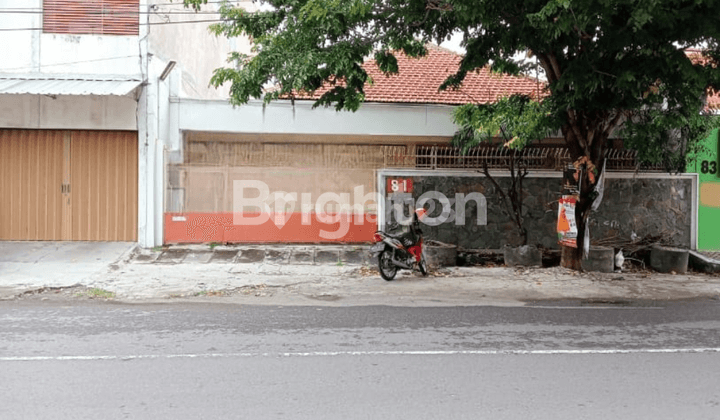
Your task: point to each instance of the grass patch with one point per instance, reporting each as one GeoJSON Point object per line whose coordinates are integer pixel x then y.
{"type": "Point", "coordinates": [211, 293]}
{"type": "Point", "coordinates": [97, 293]}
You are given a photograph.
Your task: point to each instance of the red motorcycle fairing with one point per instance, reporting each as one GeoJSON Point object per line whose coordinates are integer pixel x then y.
{"type": "Point", "coordinates": [416, 250]}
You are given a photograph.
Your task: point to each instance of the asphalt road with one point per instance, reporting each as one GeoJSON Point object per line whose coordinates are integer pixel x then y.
{"type": "Point", "coordinates": [551, 360]}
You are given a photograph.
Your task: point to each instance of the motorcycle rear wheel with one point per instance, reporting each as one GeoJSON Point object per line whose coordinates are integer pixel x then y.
{"type": "Point", "coordinates": [423, 265]}
{"type": "Point", "coordinates": [385, 266]}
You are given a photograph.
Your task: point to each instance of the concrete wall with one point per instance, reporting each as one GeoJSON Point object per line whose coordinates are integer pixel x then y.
{"type": "Point", "coordinates": [30, 51]}
{"type": "Point", "coordinates": [27, 50]}
{"type": "Point", "coordinates": [173, 36]}
{"type": "Point", "coordinates": [68, 112]}
{"type": "Point", "coordinates": [300, 118]}
{"type": "Point", "coordinates": [209, 190]}
{"type": "Point", "coordinates": [643, 205]}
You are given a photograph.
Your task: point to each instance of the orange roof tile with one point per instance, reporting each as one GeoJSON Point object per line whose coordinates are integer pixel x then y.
{"type": "Point", "coordinates": [419, 78]}
{"type": "Point", "coordinates": [713, 102]}
{"type": "Point", "coordinates": [713, 99]}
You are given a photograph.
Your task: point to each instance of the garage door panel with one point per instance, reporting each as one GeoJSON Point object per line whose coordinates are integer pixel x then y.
{"type": "Point", "coordinates": [63, 185]}
{"type": "Point", "coordinates": [30, 185]}
{"type": "Point", "coordinates": [104, 179]}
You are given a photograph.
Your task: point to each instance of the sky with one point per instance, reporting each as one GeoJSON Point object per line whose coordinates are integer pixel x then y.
{"type": "Point", "coordinates": [454, 44]}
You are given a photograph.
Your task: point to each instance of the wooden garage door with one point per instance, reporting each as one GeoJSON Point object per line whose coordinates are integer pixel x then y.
{"type": "Point", "coordinates": [68, 185]}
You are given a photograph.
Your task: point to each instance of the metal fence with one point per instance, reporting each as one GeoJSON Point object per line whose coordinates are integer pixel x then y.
{"type": "Point", "coordinates": [549, 158]}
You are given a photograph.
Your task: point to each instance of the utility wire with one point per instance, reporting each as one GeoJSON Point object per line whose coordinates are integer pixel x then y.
{"type": "Point", "coordinates": [140, 24]}
{"type": "Point", "coordinates": [114, 13]}
{"type": "Point", "coordinates": [39, 9]}
{"type": "Point", "coordinates": [209, 2]}
{"type": "Point", "coordinates": [70, 62]}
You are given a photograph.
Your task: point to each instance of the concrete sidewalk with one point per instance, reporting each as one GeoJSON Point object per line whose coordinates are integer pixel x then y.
{"type": "Point", "coordinates": [333, 275]}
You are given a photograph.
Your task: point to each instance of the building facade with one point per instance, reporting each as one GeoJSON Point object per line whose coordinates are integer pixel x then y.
{"type": "Point", "coordinates": [285, 172]}
{"type": "Point", "coordinates": [86, 117]}
{"type": "Point", "coordinates": [109, 131]}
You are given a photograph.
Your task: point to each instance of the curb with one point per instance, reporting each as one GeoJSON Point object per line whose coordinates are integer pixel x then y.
{"type": "Point", "coordinates": [703, 263]}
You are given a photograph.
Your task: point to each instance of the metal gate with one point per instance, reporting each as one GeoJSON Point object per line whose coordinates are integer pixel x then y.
{"type": "Point", "coordinates": [68, 185]}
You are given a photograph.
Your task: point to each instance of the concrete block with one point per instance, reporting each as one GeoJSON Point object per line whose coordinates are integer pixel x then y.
{"type": "Point", "coordinates": [327, 256]}
{"type": "Point", "coordinates": [667, 259]}
{"type": "Point", "coordinates": [354, 256]}
{"type": "Point", "coordinates": [277, 256]}
{"type": "Point", "coordinates": [146, 257]}
{"type": "Point", "coordinates": [224, 256]}
{"type": "Point", "coordinates": [172, 256]}
{"type": "Point", "coordinates": [601, 259]}
{"type": "Point", "coordinates": [248, 256]}
{"type": "Point", "coordinates": [438, 254]}
{"type": "Point", "coordinates": [526, 256]}
{"type": "Point", "coordinates": [702, 263]}
{"type": "Point", "coordinates": [197, 257]}
{"type": "Point", "coordinates": [301, 256]}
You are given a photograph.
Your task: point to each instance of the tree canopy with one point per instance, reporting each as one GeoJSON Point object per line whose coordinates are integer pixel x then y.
{"type": "Point", "coordinates": [606, 61]}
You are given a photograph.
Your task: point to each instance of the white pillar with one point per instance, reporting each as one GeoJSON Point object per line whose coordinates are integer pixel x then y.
{"type": "Point", "coordinates": [147, 135]}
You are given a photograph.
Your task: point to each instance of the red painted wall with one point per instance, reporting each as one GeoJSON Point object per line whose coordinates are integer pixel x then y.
{"type": "Point", "coordinates": [219, 227]}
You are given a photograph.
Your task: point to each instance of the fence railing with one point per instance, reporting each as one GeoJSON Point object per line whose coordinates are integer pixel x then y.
{"type": "Point", "coordinates": [549, 158]}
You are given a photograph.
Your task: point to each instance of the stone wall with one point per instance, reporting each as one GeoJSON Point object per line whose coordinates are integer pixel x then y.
{"type": "Point", "coordinates": [637, 206]}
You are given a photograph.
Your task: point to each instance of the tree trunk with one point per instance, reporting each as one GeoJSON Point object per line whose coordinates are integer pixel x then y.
{"type": "Point", "coordinates": [569, 257]}
{"type": "Point", "coordinates": [572, 257]}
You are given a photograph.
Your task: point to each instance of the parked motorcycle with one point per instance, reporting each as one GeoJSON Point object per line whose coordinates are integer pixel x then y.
{"type": "Point", "coordinates": [403, 250]}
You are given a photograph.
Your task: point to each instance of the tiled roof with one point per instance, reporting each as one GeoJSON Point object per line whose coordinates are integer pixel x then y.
{"type": "Point", "coordinates": [713, 99]}
{"type": "Point", "coordinates": [713, 102]}
{"type": "Point", "coordinates": [419, 78]}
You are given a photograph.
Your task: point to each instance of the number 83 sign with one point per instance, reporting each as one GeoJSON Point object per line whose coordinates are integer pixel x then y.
{"type": "Point", "coordinates": [708, 167]}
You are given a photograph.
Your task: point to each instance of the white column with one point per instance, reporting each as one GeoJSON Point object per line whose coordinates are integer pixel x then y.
{"type": "Point", "coordinates": [146, 136]}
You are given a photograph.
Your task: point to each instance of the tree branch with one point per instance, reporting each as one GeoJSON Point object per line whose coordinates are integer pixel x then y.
{"type": "Point", "coordinates": [555, 65]}
{"type": "Point", "coordinates": [576, 130]}
{"type": "Point", "coordinates": [545, 64]}
{"type": "Point", "coordinates": [441, 5]}
{"type": "Point", "coordinates": [614, 123]}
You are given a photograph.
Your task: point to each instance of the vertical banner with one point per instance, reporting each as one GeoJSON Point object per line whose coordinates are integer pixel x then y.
{"type": "Point", "coordinates": [566, 227]}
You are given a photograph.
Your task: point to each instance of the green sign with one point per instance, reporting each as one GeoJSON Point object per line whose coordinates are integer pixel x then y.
{"type": "Point", "coordinates": [707, 166]}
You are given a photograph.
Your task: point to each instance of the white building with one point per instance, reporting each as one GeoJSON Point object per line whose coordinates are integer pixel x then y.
{"type": "Point", "coordinates": [86, 115]}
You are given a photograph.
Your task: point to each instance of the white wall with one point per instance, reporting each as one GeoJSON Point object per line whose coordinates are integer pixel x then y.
{"type": "Point", "coordinates": [18, 55]}
{"type": "Point", "coordinates": [68, 112]}
{"type": "Point", "coordinates": [29, 50]}
{"type": "Point", "coordinates": [90, 54]}
{"type": "Point", "coordinates": [283, 117]}
{"type": "Point", "coordinates": [189, 42]}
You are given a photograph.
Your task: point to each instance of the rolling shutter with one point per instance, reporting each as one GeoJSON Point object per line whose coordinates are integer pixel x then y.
{"type": "Point", "coordinates": [98, 17]}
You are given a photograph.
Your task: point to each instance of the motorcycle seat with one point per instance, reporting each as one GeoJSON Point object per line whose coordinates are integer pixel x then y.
{"type": "Point", "coordinates": [395, 235]}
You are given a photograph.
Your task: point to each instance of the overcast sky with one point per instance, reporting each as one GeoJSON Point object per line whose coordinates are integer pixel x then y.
{"type": "Point", "coordinates": [454, 44]}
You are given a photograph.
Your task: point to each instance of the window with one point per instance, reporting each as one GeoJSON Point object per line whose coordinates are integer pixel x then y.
{"type": "Point", "coordinates": [98, 17]}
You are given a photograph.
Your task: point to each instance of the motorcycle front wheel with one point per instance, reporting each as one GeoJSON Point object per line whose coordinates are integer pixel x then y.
{"type": "Point", "coordinates": [387, 269]}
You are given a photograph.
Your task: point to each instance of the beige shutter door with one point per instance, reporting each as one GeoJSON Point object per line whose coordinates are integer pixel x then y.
{"type": "Point", "coordinates": [104, 185]}
{"type": "Point", "coordinates": [68, 185]}
{"type": "Point", "coordinates": [31, 171]}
